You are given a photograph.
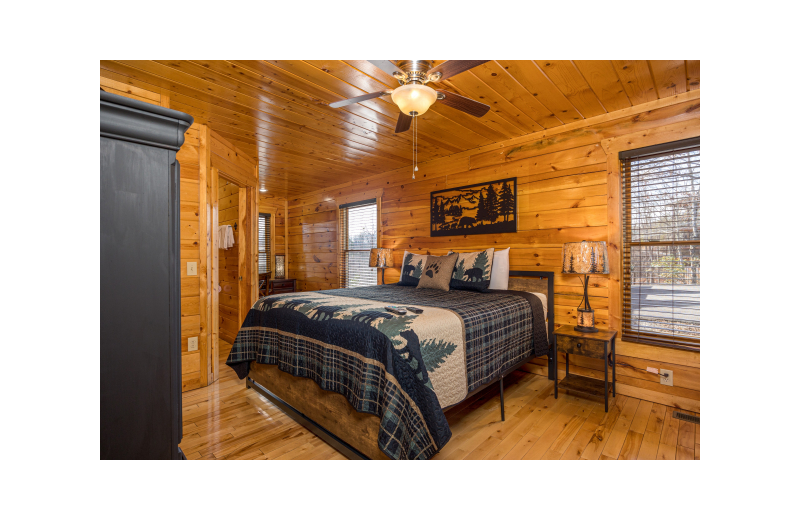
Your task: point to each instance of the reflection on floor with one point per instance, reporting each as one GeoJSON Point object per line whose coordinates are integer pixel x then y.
{"type": "Point", "coordinates": [228, 421]}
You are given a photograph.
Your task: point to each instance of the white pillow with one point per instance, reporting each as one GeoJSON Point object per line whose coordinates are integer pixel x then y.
{"type": "Point", "coordinates": [499, 279]}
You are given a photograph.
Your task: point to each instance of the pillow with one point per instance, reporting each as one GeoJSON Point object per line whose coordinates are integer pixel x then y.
{"type": "Point", "coordinates": [438, 272]}
{"type": "Point", "coordinates": [500, 270]}
{"type": "Point", "coordinates": [473, 271]}
{"type": "Point", "coordinates": [411, 269]}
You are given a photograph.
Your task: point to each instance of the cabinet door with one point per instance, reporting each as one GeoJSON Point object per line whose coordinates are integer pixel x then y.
{"type": "Point", "coordinates": [136, 365]}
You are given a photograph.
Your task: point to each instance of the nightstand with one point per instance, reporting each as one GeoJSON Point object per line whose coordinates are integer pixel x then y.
{"type": "Point", "coordinates": [597, 345]}
{"type": "Point", "coordinates": [281, 285]}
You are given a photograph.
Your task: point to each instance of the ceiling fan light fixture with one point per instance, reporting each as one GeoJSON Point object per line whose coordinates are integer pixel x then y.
{"type": "Point", "coordinates": [414, 98]}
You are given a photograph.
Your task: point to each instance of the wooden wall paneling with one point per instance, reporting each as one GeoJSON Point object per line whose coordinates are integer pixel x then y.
{"type": "Point", "coordinates": [277, 110]}
{"type": "Point", "coordinates": [605, 83]}
{"type": "Point", "coordinates": [669, 77]}
{"type": "Point", "coordinates": [559, 200]}
{"type": "Point", "coordinates": [636, 80]}
{"type": "Point", "coordinates": [203, 266]}
{"type": "Point", "coordinates": [572, 84]}
{"type": "Point", "coordinates": [692, 75]}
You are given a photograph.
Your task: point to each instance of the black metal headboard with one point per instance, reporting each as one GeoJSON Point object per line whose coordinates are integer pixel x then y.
{"type": "Point", "coordinates": [550, 275]}
{"type": "Point", "coordinates": [551, 321]}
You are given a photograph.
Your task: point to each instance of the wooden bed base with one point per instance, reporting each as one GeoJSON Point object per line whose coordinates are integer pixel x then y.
{"type": "Point", "coordinates": [332, 418]}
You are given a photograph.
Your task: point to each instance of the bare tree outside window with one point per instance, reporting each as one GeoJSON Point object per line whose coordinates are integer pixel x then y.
{"type": "Point", "coordinates": [358, 234]}
{"type": "Point", "coordinates": [661, 270]}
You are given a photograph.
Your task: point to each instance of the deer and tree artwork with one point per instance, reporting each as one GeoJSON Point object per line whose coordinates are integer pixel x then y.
{"type": "Point", "coordinates": [477, 209]}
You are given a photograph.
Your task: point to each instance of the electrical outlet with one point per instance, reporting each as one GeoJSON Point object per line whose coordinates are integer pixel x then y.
{"type": "Point", "coordinates": [192, 344]}
{"type": "Point", "coordinates": [191, 268]}
{"type": "Point", "coordinates": [666, 380]}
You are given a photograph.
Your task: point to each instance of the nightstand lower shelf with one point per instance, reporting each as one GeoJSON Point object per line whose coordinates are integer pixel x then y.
{"type": "Point", "coordinates": [587, 388]}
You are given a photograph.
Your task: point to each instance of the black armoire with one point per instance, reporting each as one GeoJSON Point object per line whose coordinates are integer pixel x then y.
{"type": "Point", "coordinates": [140, 305]}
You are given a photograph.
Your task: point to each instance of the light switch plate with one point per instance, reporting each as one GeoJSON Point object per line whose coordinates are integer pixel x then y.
{"type": "Point", "coordinates": [666, 380]}
{"type": "Point", "coordinates": [191, 268]}
{"type": "Point", "coordinates": [192, 344]}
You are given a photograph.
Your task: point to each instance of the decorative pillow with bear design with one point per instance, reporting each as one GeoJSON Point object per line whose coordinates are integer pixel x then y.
{"type": "Point", "coordinates": [473, 271]}
{"type": "Point", "coordinates": [437, 272]}
{"type": "Point", "coordinates": [411, 270]}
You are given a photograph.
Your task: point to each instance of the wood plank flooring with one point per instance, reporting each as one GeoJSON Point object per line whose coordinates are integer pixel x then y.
{"type": "Point", "coordinates": [228, 421]}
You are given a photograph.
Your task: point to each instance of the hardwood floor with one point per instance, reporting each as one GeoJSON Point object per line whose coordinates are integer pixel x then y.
{"type": "Point", "coordinates": [228, 421]}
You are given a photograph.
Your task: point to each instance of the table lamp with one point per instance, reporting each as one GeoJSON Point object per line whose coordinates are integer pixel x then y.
{"type": "Point", "coordinates": [381, 258]}
{"type": "Point", "coordinates": [585, 258]}
{"type": "Point", "coordinates": [280, 267]}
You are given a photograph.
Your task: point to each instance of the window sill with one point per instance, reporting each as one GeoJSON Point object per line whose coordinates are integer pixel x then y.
{"type": "Point", "coordinates": [652, 343]}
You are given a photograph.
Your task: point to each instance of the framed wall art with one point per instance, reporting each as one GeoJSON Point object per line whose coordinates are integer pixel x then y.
{"type": "Point", "coordinates": [477, 209]}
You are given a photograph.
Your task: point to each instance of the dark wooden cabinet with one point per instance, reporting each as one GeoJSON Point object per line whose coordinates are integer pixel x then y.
{"type": "Point", "coordinates": [282, 285]}
{"type": "Point", "coordinates": [140, 309]}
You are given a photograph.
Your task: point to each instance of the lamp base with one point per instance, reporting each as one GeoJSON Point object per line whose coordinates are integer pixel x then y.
{"type": "Point", "coordinates": [587, 329]}
{"type": "Point", "coordinates": [586, 321]}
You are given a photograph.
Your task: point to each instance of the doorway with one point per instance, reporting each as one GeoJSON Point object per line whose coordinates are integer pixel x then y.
{"type": "Point", "coordinates": [232, 265]}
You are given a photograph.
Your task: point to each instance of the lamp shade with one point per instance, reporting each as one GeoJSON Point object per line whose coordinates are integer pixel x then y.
{"type": "Point", "coordinates": [413, 99]}
{"type": "Point", "coordinates": [280, 267]}
{"type": "Point", "coordinates": [381, 257]}
{"type": "Point", "coordinates": [584, 258]}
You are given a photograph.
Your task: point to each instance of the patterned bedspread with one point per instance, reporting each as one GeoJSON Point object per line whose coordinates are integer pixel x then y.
{"type": "Point", "coordinates": [404, 369]}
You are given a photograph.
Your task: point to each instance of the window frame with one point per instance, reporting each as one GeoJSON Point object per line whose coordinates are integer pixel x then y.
{"type": "Point", "coordinates": [342, 234]}
{"type": "Point", "coordinates": [625, 231]}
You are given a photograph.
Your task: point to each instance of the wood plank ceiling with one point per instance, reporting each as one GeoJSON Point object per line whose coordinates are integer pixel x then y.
{"type": "Point", "coordinates": [277, 110]}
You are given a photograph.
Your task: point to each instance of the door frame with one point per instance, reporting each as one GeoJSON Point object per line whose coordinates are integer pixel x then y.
{"type": "Point", "coordinates": [248, 258]}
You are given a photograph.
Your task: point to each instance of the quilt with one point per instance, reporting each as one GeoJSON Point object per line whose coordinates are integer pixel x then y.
{"type": "Point", "coordinates": [404, 369]}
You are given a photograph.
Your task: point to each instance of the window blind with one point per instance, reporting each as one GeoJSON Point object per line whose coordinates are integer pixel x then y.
{"type": "Point", "coordinates": [661, 244]}
{"type": "Point", "coordinates": [264, 243]}
{"type": "Point", "coordinates": [358, 233]}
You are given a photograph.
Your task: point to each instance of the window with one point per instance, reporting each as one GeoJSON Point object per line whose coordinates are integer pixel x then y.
{"type": "Point", "coordinates": [358, 233]}
{"type": "Point", "coordinates": [661, 244]}
{"type": "Point", "coordinates": [264, 243]}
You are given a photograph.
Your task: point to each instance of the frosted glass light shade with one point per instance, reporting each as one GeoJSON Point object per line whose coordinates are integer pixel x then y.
{"type": "Point", "coordinates": [414, 98]}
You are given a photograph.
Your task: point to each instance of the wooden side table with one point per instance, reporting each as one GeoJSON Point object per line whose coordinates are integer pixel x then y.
{"type": "Point", "coordinates": [282, 285]}
{"type": "Point", "coordinates": [595, 345]}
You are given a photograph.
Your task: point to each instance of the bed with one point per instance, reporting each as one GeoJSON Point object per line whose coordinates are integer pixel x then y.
{"type": "Point", "coordinates": [376, 385]}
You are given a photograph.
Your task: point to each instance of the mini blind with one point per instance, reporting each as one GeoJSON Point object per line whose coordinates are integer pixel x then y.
{"type": "Point", "coordinates": [661, 244]}
{"type": "Point", "coordinates": [358, 233]}
{"type": "Point", "coordinates": [264, 243]}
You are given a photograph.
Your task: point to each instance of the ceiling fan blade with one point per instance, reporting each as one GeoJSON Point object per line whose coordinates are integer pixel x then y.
{"type": "Point", "coordinates": [465, 104]}
{"type": "Point", "coordinates": [450, 68]}
{"type": "Point", "coordinates": [386, 66]}
{"type": "Point", "coordinates": [359, 99]}
{"type": "Point", "coordinates": [403, 123]}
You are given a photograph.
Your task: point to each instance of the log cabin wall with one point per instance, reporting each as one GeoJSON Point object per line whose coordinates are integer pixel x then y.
{"type": "Point", "coordinates": [229, 262]}
{"type": "Point", "coordinates": [192, 363]}
{"type": "Point", "coordinates": [566, 192]}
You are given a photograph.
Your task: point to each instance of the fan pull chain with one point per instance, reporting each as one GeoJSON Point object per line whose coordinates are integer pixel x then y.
{"type": "Point", "coordinates": [414, 146]}
{"type": "Point", "coordinates": [414, 153]}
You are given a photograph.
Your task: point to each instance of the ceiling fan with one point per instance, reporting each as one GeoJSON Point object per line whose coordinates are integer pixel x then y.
{"type": "Point", "coordinates": [414, 97]}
